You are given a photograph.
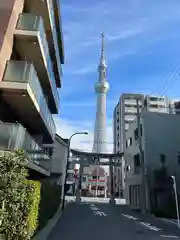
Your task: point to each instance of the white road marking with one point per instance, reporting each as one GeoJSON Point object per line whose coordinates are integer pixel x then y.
{"type": "Point", "coordinates": [170, 221]}
{"type": "Point", "coordinates": [100, 214]}
{"type": "Point", "coordinates": [148, 225]}
{"type": "Point", "coordinates": [169, 236]}
{"type": "Point", "coordinates": [94, 208]}
{"type": "Point", "coordinates": [92, 205]}
{"type": "Point", "coordinates": [130, 217]}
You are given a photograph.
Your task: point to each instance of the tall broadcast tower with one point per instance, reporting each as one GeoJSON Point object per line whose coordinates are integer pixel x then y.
{"type": "Point", "coordinates": [101, 87]}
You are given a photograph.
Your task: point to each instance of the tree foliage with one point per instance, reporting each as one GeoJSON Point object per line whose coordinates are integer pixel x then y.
{"type": "Point", "coordinates": [15, 196]}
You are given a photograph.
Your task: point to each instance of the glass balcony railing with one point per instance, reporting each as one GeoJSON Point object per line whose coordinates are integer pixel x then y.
{"type": "Point", "coordinates": [54, 34]}
{"type": "Point", "coordinates": [15, 136]}
{"type": "Point", "coordinates": [24, 72]}
{"type": "Point", "coordinates": [30, 22]}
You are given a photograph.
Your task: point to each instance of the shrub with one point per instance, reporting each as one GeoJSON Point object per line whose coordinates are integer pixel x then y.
{"type": "Point", "coordinates": [18, 197]}
{"type": "Point", "coordinates": [33, 197]}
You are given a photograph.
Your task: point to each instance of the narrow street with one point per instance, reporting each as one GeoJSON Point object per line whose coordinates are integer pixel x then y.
{"type": "Point", "coordinates": [104, 221]}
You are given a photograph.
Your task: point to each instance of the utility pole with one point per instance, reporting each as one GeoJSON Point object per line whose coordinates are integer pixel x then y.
{"type": "Point", "coordinates": [176, 199]}
{"type": "Point", "coordinates": [143, 185]}
{"type": "Point", "coordinates": [97, 180]}
{"type": "Point", "coordinates": [67, 162]}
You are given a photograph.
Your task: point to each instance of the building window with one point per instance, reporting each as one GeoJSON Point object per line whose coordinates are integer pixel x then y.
{"type": "Point", "coordinates": [129, 142]}
{"type": "Point", "coordinates": [136, 134]}
{"type": "Point", "coordinates": [156, 106]}
{"type": "Point", "coordinates": [153, 99]}
{"type": "Point", "coordinates": [128, 168]}
{"type": "Point", "coordinates": [130, 195]}
{"type": "Point", "coordinates": [163, 158]}
{"type": "Point", "coordinates": [179, 159]}
{"type": "Point", "coordinates": [141, 129]}
{"type": "Point", "coordinates": [137, 163]}
{"type": "Point", "coordinates": [134, 195]}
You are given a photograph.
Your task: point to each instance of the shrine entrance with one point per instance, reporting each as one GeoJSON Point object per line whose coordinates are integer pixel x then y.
{"type": "Point", "coordinates": [95, 182]}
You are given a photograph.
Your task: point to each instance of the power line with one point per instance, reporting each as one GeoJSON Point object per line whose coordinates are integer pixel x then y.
{"type": "Point", "coordinates": [171, 74]}
{"type": "Point", "coordinates": [170, 78]}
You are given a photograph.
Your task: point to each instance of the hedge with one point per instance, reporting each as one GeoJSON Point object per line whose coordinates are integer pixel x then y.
{"type": "Point", "coordinates": [19, 197]}
{"type": "Point", "coordinates": [33, 201]}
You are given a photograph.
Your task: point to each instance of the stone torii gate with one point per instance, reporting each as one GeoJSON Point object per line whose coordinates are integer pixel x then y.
{"type": "Point", "coordinates": [90, 158]}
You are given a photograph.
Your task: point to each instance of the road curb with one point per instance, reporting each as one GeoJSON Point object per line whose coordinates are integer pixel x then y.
{"type": "Point", "coordinates": [44, 233]}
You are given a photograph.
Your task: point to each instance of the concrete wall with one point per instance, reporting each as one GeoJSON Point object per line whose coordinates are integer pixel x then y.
{"type": "Point", "coordinates": [160, 135]}
{"type": "Point", "coordinates": [131, 178]}
{"type": "Point", "coordinates": [57, 164]}
{"type": "Point", "coordinates": [59, 158]}
{"type": "Point", "coordinates": [9, 12]}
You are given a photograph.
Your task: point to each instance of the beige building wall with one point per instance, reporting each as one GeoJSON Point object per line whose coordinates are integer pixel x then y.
{"type": "Point", "coordinates": [9, 13]}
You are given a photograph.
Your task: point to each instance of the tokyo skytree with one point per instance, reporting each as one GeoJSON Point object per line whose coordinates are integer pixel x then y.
{"type": "Point", "coordinates": [101, 88]}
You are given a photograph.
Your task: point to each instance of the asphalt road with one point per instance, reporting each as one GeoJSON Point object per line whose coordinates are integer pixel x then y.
{"type": "Point", "coordinates": [109, 222]}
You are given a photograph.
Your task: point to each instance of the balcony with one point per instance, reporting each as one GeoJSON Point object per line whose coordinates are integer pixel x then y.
{"type": "Point", "coordinates": [22, 91]}
{"type": "Point", "coordinates": [31, 44]}
{"type": "Point", "coordinates": [132, 102]}
{"type": "Point", "coordinates": [48, 9]}
{"type": "Point", "coordinates": [15, 136]}
{"type": "Point", "coordinates": [130, 110]}
{"type": "Point", "coordinates": [129, 118]}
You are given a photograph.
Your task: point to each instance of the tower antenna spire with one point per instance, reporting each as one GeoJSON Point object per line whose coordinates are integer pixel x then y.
{"type": "Point", "coordinates": [102, 45]}
{"type": "Point", "coordinates": [102, 61]}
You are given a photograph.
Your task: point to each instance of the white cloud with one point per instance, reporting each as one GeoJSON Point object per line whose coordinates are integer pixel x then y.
{"type": "Point", "coordinates": [84, 70]}
{"type": "Point", "coordinates": [66, 128]}
{"type": "Point", "coordinates": [124, 34]}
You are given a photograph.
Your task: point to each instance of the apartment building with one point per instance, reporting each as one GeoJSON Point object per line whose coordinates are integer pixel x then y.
{"type": "Point", "coordinates": [124, 114]}
{"type": "Point", "coordinates": [161, 150]}
{"type": "Point", "coordinates": [126, 111]}
{"type": "Point", "coordinates": [31, 54]}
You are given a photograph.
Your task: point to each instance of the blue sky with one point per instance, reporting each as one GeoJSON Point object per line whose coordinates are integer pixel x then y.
{"type": "Point", "coordinates": [142, 54]}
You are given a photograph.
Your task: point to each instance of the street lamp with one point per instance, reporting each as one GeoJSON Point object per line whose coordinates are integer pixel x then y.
{"type": "Point", "coordinates": [176, 199]}
{"type": "Point", "coordinates": [69, 141]}
{"type": "Point", "coordinates": [68, 154]}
